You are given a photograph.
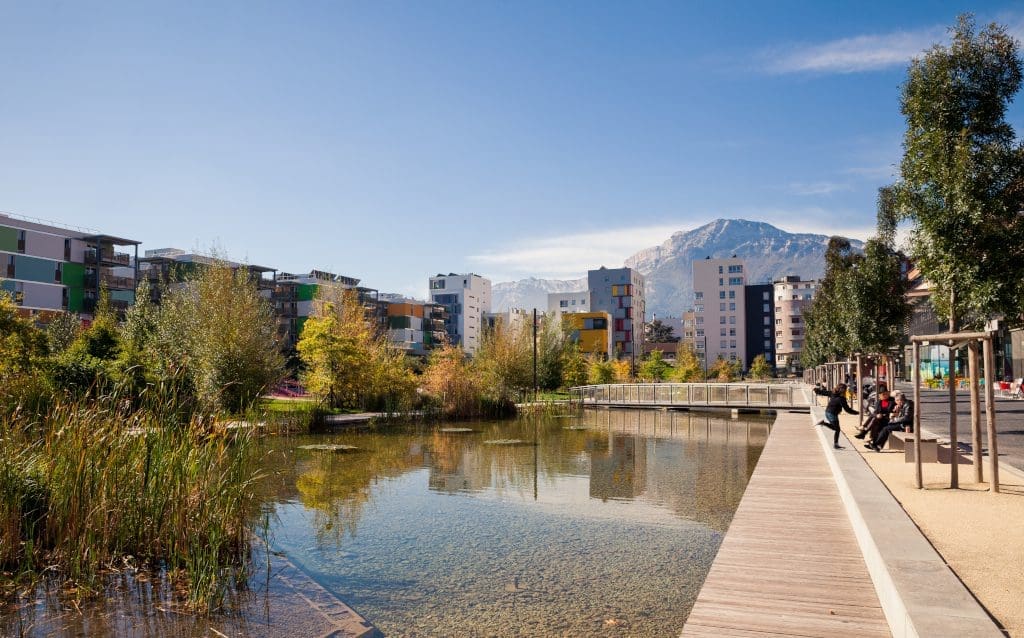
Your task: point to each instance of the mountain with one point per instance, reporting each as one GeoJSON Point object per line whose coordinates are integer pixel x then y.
{"type": "Point", "coordinates": [769, 253]}
{"type": "Point", "coordinates": [530, 293]}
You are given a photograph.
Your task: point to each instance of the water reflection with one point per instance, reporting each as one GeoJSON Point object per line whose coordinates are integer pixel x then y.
{"type": "Point", "coordinates": [419, 521]}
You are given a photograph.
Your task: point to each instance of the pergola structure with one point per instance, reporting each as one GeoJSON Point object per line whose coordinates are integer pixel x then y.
{"type": "Point", "coordinates": [957, 340]}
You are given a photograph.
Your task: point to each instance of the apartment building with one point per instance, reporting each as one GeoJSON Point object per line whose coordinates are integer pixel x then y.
{"type": "Point", "coordinates": [49, 268]}
{"type": "Point", "coordinates": [791, 296]}
{"type": "Point", "coordinates": [466, 298]}
{"type": "Point", "coordinates": [760, 320]}
{"type": "Point", "coordinates": [720, 309]}
{"type": "Point", "coordinates": [560, 303]}
{"type": "Point", "coordinates": [293, 296]}
{"type": "Point", "coordinates": [591, 332]}
{"type": "Point", "coordinates": [166, 268]}
{"type": "Point", "coordinates": [620, 293]}
{"type": "Point", "coordinates": [416, 327]}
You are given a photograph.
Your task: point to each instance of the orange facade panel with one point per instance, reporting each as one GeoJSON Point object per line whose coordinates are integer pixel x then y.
{"type": "Point", "coordinates": [405, 310]}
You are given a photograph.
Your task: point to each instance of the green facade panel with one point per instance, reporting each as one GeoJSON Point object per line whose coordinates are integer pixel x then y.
{"type": "Point", "coordinates": [76, 295]}
{"type": "Point", "coordinates": [399, 322]}
{"type": "Point", "coordinates": [8, 239]}
{"type": "Point", "coordinates": [73, 274]}
{"type": "Point", "coordinates": [305, 292]}
{"type": "Point", "coordinates": [123, 295]}
{"type": "Point", "coordinates": [300, 323]}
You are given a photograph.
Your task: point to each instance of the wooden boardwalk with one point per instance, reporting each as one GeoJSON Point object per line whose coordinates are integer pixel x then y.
{"type": "Point", "coordinates": [789, 564]}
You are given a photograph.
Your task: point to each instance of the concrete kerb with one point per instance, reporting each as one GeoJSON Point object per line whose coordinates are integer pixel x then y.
{"type": "Point", "coordinates": [919, 594]}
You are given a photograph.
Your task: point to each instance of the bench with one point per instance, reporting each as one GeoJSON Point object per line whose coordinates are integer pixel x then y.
{"type": "Point", "coordinates": [905, 441]}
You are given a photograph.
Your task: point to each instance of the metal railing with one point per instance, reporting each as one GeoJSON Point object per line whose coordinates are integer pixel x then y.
{"type": "Point", "coordinates": [726, 395]}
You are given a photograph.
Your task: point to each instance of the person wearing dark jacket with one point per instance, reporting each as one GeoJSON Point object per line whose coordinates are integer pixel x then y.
{"type": "Point", "coordinates": [901, 420]}
{"type": "Point", "coordinates": [836, 402]}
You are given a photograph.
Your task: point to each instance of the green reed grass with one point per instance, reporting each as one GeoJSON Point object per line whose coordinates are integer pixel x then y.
{"type": "Point", "coordinates": [93, 483]}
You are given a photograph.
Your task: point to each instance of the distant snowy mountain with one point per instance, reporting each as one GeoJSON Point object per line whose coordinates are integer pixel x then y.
{"type": "Point", "coordinates": [530, 293]}
{"type": "Point", "coordinates": [769, 253]}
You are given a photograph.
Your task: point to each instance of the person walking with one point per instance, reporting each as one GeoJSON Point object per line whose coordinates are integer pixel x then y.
{"type": "Point", "coordinates": [836, 403]}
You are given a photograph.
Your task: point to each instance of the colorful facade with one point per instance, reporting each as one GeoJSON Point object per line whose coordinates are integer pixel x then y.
{"type": "Point", "coordinates": [620, 293]}
{"type": "Point", "coordinates": [48, 268]}
{"type": "Point", "coordinates": [293, 297]}
{"type": "Point", "coordinates": [591, 331]}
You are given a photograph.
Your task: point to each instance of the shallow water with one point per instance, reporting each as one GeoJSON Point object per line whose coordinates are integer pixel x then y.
{"type": "Point", "coordinates": [608, 524]}
{"type": "Point", "coordinates": [604, 523]}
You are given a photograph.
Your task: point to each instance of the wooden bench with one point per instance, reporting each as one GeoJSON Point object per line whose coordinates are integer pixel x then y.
{"type": "Point", "coordinates": [905, 441]}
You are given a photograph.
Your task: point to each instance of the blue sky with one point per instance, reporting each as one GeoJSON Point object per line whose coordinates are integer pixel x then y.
{"type": "Point", "coordinates": [391, 141]}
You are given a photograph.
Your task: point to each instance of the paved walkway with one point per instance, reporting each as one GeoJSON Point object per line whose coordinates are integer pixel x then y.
{"type": "Point", "coordinates": [790, 563]}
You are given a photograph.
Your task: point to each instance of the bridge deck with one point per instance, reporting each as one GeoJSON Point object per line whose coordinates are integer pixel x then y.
{"type": "Point", "coordinates": [790, 564]}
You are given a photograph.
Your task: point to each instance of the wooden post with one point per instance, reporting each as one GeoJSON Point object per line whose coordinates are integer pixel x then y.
{"type": "Point", "coordinates": [860, 390]}
{"type": "Point", "coordinates": [972, 367]}
{"type": "Point", "coordinates": [954, 469]}
{"type": "Point", "coordinates": [917, 416]}
{"type": "Point", "coordinates": [990, 417]}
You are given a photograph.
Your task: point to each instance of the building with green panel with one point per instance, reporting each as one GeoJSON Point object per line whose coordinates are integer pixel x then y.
{"type": "Point", "coordinates": [169, 267]}
{"type": "Point", "coordinates": [51, 268]}
{"type": "Point", "coordinates": [294, 295]}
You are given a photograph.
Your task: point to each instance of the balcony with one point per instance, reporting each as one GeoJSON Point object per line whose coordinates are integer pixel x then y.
{"type": "Point", "coordinates": [111, 282]}
{"type": "Point", "coordinates": [108, 258]}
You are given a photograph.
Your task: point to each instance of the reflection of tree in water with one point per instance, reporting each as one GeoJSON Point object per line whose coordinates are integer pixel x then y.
{"type": "Point", "coordinates": [337, 486]}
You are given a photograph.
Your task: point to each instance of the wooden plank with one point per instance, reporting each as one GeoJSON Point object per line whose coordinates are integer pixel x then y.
{"type": "Point", "coordinates": [789, 564]}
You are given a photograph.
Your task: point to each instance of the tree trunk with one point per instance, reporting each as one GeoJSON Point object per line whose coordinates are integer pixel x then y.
{"type": "Point", "coordinates": [990, 416]}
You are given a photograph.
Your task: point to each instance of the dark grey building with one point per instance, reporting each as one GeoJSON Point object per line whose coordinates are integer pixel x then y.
{"type": "Point", "coordinates": [760, 323]}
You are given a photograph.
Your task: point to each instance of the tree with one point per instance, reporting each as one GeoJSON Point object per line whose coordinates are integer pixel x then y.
{"type": "Point", "coordinates": [724, 370]}
{"type": "Point", "coordinates": [504, 361]}
{"type": "Point", "coordinates": [622, 370]}
{"type": "Point", "coordinates": [658, 332]}
{"type": "Point", "coordinates": [654, 367]}
{"type": "Point", "coordinates": [452, 383]}
{"type": "Point", "coordinates": [574, 366]}
{"type": "Point", "coordinates": [961, 175]}
{"type": "Point", "coordinates": [62, 331]}
{"type": "Point", "coordinates": [759, 368]}
{"type": "Point", "coordinates": [688, 366]}
{"type": "Point", "coordinates": [22, 345]}
{"type": "Point", "coordinates": [827, 336]}
{"type": "Point", "coordinates": [551, 349]}
{"type": "Point", "coordinates": [600, 371]}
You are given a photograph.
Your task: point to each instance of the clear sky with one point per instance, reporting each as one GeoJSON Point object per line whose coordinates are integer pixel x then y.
{"type": "Point", "coordinates": [391, 141]}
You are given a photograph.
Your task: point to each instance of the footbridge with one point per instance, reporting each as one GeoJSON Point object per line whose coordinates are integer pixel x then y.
{"type": "Point", "coordinates": [760, 396]}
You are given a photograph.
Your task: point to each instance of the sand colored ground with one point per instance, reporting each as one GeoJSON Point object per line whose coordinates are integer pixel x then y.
{"type": "Point", "coordinates": [979, 534]}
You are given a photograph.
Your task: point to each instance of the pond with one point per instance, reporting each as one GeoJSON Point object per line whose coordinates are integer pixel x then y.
{"type": "Point", "coordinates": [603, 523]}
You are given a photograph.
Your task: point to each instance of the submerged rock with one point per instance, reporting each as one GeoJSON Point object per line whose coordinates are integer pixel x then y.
{"type": "Point", "coordinates": [329, 447]}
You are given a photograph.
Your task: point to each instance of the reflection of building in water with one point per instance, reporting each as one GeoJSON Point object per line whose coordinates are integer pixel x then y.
{"type": "Point", "coordinates": [695, 463]}
{"type": "Point", "coordinates": [456, 467]}
{"type": "Point", "coordinates": [622, 471]}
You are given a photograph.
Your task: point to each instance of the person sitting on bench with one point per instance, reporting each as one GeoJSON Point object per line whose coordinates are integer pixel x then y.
{"type": "Point", "coordinates": [879, 418]}
{"type": "Point", "coordinates": [901, 420]}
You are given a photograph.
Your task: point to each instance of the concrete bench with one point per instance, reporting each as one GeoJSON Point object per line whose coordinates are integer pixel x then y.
{"type": "Point", "coordinates": [905, 441]}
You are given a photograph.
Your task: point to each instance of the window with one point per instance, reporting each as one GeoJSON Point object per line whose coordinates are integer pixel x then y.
{"type": "Point", "coordinates": [699, 309]}
{"type": "Point", "coordinates": [794, 333]}
{"type": "Point", "coordinates": [721, 307]}
{"type": "Point", "coordinates": [732, 332]}
{"type": "Point", "coordinates": [732, 294]}
{"type": "Point", "coordinates": [767, 321]}
{"type": "Point", "coordinates": [732, 306]}
{"type": "Point", "coordinates": [736, 268]}
{"type": "Point", "coordinates": [58, 272]}
{"type": "Point", "coordinates": [721, 282]}
{"type": "Point", "coordinates": [574, 302]}
{"type": "Point", "coordinates": [722, 344]}
{"type": "Point", "coordinates": [437, 284]}
{"type": "Point", "coordinates": [700, 332]}
{"type": "Point", "coordinates": [721, 294]}
{"type": "Point", "coordinates": [778, 309]}
{"type": "Point", "coordinates": [720, 270]}
{"type": "Point", "coordinates": [10, 266]}
{"type": "Point", "coordinates": [767, 344]}
{"type": "Point", "coordinates": [766, 308]}
{"type": "Point", "coordinates": [778, 333]}
{"type": "Point", "coordinates": [735, 281]}
{"type": "Point", "coordinates": [766, 296]}
{"type": "Point", "coordinates": [767, 332]}
{"type": "Point", "coordinates": [563, 304]}
{"type": "Point", "coordinates": [794, 320]}
{"type": "Point", "coordinates": [732, 356]}
{"type": "Point", "coordinates": [700, 320]}
{"type": "Point", "coordinates": [768, 355]}
{"type": "Point", "coordinates": [732, 319]}
{"type": "Point", "coordinates": [723, 332]}
{"type": "Point", "coordinates": [698, 296]}
{"type": "Point", "coordinates": [796, 297]}
{"type": "Point", "coordinates": [732, 343]}
{"type": "Point", "coordinates": [21, 241]}
{"type": "Point", "coordinates": [721, 319]}
{"type": "Point", "coordinates": [778, 322]}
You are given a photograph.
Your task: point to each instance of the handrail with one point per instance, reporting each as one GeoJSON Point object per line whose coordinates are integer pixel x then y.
{"type": "Point", "coordinates": [727, 395]}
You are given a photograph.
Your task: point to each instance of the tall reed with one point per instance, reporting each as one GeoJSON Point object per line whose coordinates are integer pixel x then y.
{"type": "Point", "coordinates": [92, 482]}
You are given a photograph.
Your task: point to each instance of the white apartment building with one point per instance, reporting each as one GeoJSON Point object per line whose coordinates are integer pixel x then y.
{"type": "Point", "coordinates": [467, 298]}
{"type": "Point", "coordinates": [791, 296]}
{"type": "Point", "coordinates": [563, 302]}
{"type": "Point", "coordinates": [719, 309]}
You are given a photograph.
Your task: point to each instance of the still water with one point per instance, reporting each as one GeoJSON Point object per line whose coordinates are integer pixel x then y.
{"type": "Point", "coordinates": [602, 523]}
